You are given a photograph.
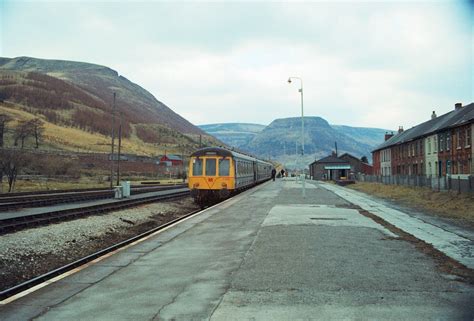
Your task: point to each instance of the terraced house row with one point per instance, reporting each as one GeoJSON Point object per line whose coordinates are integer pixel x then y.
{"type": "Point", "coordinates": [441, 146]}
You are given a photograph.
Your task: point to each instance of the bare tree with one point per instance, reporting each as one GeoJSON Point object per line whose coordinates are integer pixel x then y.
{"type": "Point", "coordinates": [37, 129]}
{"type": "Point", "coordinates": [23, 130]}
{"type": "Point", "coordinates": [11, 163]}
{"type": "Point", "coordinates": [4, 119]}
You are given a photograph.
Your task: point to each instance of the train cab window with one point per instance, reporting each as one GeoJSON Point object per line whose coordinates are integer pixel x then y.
{"type": "Point", "coordinates": [211, 167]}
{"type": "Point", "coordinates": [224, 167]}
{"type": "Point", "coordinates": [197, 167]}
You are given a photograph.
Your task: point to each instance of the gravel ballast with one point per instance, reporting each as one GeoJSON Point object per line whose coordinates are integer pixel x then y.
{"type": "Point", "coordinates": [32, 252]}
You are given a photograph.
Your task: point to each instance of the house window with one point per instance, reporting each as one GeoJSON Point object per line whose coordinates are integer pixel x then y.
{"type": "Point", "coordinates": [468, 137]}
{"type": "Point", "coordinates": [458, 139]}
{"type": "Point", "coordinates": [448, 141]}
{"type": "Point", "coordinates": [429, 146]}
{"type": "Point", "coordinates": [429, 168]}
{"type": "Point", "coordinates": [435, 144]}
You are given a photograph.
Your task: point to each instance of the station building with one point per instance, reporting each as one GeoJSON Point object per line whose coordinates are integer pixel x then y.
{"type": "Point", "coordinates": [334, 167]}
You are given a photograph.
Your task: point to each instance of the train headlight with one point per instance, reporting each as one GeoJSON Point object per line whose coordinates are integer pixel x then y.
{"type": "Point", "coordinates": [195, 185]}
{"type": "Point", "coordinates": [224, 185]}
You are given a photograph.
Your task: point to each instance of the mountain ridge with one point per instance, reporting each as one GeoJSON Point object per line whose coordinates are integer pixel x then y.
{"type": "Point", "coordinates": [79, 95]}
{"type": "Point", "coordinates": [281, 139]}
{"type": "Point", "coordinates": [102, 81]}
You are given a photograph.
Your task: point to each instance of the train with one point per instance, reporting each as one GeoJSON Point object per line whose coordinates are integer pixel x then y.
{"type": "Point", "coordinates": [216, 173]}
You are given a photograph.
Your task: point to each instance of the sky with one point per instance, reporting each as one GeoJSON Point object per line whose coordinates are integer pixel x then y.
{"type": "Point", "coordinates": [377, 64]}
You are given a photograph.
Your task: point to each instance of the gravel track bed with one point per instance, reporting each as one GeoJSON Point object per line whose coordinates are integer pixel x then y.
{"type": "Point", "coordinates": [32, 252]}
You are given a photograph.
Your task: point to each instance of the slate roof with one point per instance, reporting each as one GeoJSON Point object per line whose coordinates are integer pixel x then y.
{"type": "Point", "coordinates": [349, 155]}
{"type": "Point", "coordinates": [330, 159]}
{"type": "Point", "coordinates": [449, 120]}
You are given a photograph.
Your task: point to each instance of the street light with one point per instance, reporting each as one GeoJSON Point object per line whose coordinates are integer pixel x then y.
{"type": "Point", "coordinates": [302, 132]}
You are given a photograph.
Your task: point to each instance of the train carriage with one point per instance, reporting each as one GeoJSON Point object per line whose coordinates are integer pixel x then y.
{"type": "Point", "coordinates": [215, 173]}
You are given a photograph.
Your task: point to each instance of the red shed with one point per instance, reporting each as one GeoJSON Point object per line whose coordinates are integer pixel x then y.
{"type": "Point", "coordinates": [171, 160]}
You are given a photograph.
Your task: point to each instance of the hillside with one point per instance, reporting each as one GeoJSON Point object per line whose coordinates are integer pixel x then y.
{"type": "Point", "coordinates": [77, 96]}
{"type": "Point", "coordinates": [369, 136]}
{"type": "Point", "coordinates": [234, 134]}
{"type": "Point", "coordinates": [283, 136]}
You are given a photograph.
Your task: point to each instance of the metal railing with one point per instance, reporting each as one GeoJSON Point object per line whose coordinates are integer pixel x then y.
{"type": "Point", "coordinates": [456, 183]}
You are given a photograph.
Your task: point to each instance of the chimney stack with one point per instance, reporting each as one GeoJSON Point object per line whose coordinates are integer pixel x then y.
{"type": "Point", "coordinates": [388, 136]}
{"type": "Point", "coordinates": [433, 115]}
{"type": "Point", "coordinates": [457, 106]}
{"type": "Point", "coordinates": [400, 129]}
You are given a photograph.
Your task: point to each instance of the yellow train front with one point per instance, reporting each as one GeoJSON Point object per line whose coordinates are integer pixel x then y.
{"type": "Point", "coordinates": [216, 173]}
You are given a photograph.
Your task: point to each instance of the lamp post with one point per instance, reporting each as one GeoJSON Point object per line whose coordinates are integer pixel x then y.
{"type": "Point", "coordinates": [302, 133]}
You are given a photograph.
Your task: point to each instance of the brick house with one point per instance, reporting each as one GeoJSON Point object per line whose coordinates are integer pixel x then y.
{"type": "Point", "coordinates": [438, 147]}
{"type": "Point", "coordinates": [357, 165]}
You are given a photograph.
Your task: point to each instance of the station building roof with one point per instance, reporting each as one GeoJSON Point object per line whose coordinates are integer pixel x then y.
{"type": "Point", "coordinates": [330, 160]}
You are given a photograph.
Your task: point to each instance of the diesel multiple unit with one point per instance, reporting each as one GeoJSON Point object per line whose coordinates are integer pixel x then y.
{"type": "Point", "coordinates": [215, 173]}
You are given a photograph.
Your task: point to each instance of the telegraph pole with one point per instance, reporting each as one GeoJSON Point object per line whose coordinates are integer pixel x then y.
{"type": "Point", "coordinates": [119, 150]}
{"type": "Point", "coordinates": [113, 142]}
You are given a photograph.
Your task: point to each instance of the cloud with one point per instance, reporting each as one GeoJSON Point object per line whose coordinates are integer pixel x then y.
{"type": "Point", "coordinates": [379, 64]}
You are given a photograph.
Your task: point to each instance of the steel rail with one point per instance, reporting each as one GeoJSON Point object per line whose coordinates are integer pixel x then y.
{"type": "Point", "coordinates": [39, 200]}
{"type": "Point", "coordinates": [78, 190]}
{"type": "Point", "coordinates": [49, 275]}
{"type": "Point", "coordinates": [17, 223]}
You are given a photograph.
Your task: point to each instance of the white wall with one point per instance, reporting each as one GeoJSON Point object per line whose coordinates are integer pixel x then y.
{"type": "Point", "coordinates": [431, 155]}
{"type": "Point", "coordinates": [386, 162]}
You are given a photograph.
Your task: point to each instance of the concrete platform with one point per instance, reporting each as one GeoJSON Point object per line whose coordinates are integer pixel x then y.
{"type": "Point", "coordinates": [267, 254]}
{"type": "Point", "coordinates": [80, 204]}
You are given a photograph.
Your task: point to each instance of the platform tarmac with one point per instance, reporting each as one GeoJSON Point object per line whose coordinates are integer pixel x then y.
{"type": "Point", "coordinates": [267, 254]}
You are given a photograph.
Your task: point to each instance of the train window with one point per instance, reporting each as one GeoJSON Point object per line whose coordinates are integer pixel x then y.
{"type": "Point", "coordinates": [211, 167]}
{"type": "Point", "coordinates": [224, 167]}
{"type": "Point", "coordinates": [197, 167]}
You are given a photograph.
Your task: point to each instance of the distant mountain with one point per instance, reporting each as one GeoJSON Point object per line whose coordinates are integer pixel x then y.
{"type": "Point", "coordinates": [281, 140]}
{"type": "Point", "coordinates": [369, 136]}
{"type": "Point", "coordinates": [80, 95]}
{"type": "Point", "coordinates": [283, 136]}
{"type": "Point", "coordinates": [233, 134]}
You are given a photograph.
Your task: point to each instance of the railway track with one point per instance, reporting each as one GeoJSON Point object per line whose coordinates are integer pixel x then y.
{"type": "Point", "coordinates": [24, 221]}
{"type": "Point", "coordinates": [49, 275]}
{"type": "Point", "coordinates": [26, 200]}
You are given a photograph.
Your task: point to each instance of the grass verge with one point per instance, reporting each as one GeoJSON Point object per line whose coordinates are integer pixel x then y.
{"type": "Point", "coordinates": [444, 204]}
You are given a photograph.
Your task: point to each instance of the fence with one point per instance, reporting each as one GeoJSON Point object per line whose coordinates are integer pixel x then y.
{"type": "Point", "coordinates": [455, 183]}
